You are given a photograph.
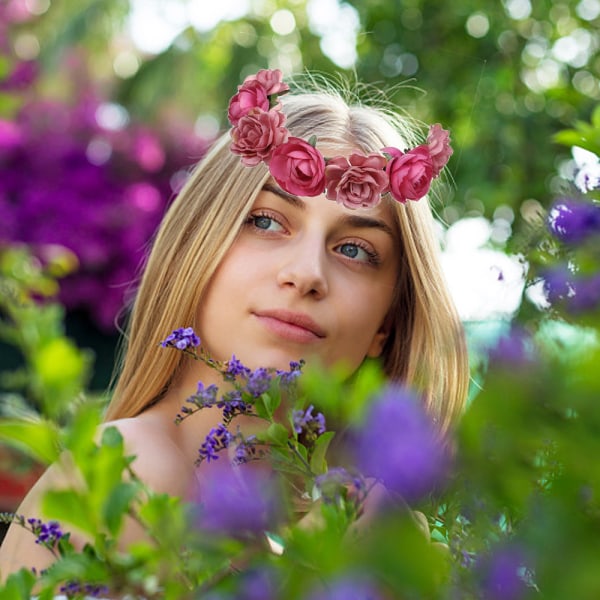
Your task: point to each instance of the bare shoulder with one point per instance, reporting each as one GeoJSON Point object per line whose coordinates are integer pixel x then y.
{"type": "Point", "coordinates": [159, 461]}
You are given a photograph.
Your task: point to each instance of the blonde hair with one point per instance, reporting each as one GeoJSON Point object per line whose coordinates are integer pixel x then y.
{"type": "Point", "coordinates": [425, 348]}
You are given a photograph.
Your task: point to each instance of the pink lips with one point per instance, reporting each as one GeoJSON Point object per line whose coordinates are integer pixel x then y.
{"type": "Point", "coordinates": [296, 327]}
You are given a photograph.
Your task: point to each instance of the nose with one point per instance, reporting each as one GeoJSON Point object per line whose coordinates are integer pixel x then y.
{"type": "Point", "coordinates": [303, 268]}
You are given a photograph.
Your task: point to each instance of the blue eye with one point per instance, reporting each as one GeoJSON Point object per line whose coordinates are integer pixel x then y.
{"type": "Point", "coordinates": [262, 222]}
{"type": "Point", "coordinates": [357, 253]}
{"type": "Point", "coordinates": [265, 223]}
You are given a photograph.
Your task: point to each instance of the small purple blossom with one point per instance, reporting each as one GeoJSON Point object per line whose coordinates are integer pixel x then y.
{"type": "Point", "coordinates": [237, 501]}
{"type": "Point", "coordinates": [47, 534]}
{"type": "Point", "coordinates": [76, 589]}
{"type": "Point", "coordinates": [305, 421]}
{"type": "Point", "coordinates": [289, 378]}
{"type": "Point", "coordinates": [203, 398]}
{"type": "Point", "coordinates": [336, 482]}
{"type": "Point", "coordinates": [217, 439]}
{"type": "Point", "coordinates": [181, 338]}
{"type": "Point", "coordinates": [235, 369]}
{"type": "Point", "coordinates": [258, 382]}
{"type": "Point", "coordinates": [248, 450]}
{"type": "Point", "coordinates": [573, 221]}
{"type": "Point", "coordinates": [586, 295]}
{"type": "Point", "coordinates": [232, 405]}
{"type": "Point", "coordinates": [399, 445]}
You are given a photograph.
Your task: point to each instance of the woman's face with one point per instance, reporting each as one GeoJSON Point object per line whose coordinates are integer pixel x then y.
{"type": "Point", "coordinates": [305, 278]}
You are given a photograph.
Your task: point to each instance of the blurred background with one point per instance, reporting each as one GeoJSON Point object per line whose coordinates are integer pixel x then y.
{"type": "Point", "coordinates": [106, 104]}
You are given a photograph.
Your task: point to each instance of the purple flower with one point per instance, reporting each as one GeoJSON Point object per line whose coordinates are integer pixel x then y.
{"type": "Point", "coordinates": [306, 422]}
{"type": "Point", "coordinates": [558, 284]}
{"type": "Point", "coordinates": [399, 445]}
{"type": "Point", "coordinates": [247, 450]}
{"type": "Point", "coordinates": [233, 405]}
{"type": "Point", "coordinates": [258, 382]}
{"type": "Point", "coordinates": [46, 533]}
{"type": "Point", "coordinates": [75, 589]}
{"type": "Point", "coordinates": [348, 588]}
{"type": "Point", "coordinates": [289, 378]}
{"type": "Point", "coordinates": [237, 501]}
{"type": "Point", "coordinates": [235, 369]}
{"type": "Point", "coordinates": [336, 482]}
{"type": "Point", "coordinates": [586, 295]}
{"type": "Point", "coordinates": [181, 339]}
{"type": "Point", "coordinates": [573, 221]}
{"type": "Point", "coordinates": [502, 574]}
{"type": "Point", "coordinates": [218, 438]}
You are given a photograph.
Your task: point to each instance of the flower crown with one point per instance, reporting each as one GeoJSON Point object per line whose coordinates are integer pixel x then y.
{"type": "Point", "coordinates": [259, 135]}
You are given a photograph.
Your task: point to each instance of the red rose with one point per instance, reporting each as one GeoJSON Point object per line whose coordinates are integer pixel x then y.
{"type": "Point", "coordinates": [409, 174]}
{"type": "Point", "coordinates": [257, 134]}
{"type": "Point", "coordinates": [357, 181]}
{"type": "Point", "coordinates": [271, 80]}
{"type": "Point", "coordinates": [438, 142]}
{"type": "Point", "coordinates": [298, 168]}
{"type": "Point", "coordinates": [251, 94]}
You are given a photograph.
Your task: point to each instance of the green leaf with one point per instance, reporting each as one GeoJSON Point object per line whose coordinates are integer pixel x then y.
{"type": "Point", "coordinates": [69, 507]}
{"type": "Point", "coordinates": [318, 464]}
{"type": "Point", "coordinates": [117, 505]}
{"type": "Point", "coordinates": [39, 439]}
{"type": "Point", "coordinates": [278, 434]}
{"type": "Point", "coordinates": [18, 586]}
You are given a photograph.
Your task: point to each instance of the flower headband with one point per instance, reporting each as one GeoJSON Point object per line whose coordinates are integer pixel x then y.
{"type": "Point", "coordinates": [259, 135]}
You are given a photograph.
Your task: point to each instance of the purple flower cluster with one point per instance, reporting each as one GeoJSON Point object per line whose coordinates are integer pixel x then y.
{"type": "Point", "coordinates": [238, 501]}
{"type": "Point", "coordinates": [218, 438]}
{"type": "Point", "coordinates": [181, 338]}
{"type": "Point", "coordinates": [307, 424]}
{"type": "Point", "coordinates": [338, 482]}
{"type": "Point", "coordinates": [258, 382]}
{"type": "Point", "coordinates": [232, 405]}
{"type": "Point", "coordinates": [573, 221]}
{"type": "Point", "coordinates": [577, 293]}
{"type": "Point", "coordinates": [399, 445]}
{"type": "Point", "coordinates": [84, 176]}
{"type": "Point", "coordinates": [74, 589]}
{"type": "Point", "coordinates": [47, 534]}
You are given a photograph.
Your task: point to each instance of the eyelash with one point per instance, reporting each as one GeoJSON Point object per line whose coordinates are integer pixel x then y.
{"type": "Point", "coordinates": [373, 258]}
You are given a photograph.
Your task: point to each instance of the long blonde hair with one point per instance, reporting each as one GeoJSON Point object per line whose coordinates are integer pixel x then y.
{"type": "Point", "coordinates": [425, 348]}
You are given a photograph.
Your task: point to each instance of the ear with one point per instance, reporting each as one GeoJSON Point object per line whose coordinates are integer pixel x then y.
{"type": "Point", "coordinates": [376, 346]}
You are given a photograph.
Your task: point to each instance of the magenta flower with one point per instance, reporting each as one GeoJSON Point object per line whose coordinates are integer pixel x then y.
{"type": "Point", "coordinates": [399, 445]}
{"type": "Point", "coordinates": [298, 167]}
{"type": "Point", "coordinates": [438, 142]}
{"type": "Point", "coordinates": [356, 181]}
{"type": "Point", "coordinates": [257, 134]}
{"type": "Point", "coordinates": [409, 174]}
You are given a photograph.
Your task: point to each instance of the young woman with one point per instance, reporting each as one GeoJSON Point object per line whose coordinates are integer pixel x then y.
{"type": "Point", "coordinates": [273, 253]}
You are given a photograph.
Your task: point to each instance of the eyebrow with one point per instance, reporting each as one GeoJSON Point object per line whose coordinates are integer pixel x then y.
{"type": "Point", "coordinates": [356, 221]}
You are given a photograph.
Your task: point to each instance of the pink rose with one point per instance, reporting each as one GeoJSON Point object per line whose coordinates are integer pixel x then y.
{"type": "Point", "coordinates": [251, 94]}
{"type": "Point", "coordinates": [357, 181]}
{"type": "Point", "coordinates": [257, 134]}
{"type": "Point", "coordinates": [409, 174]}
{"type": "Point", "coordinates": [298, 168]}
{"type": "Point", "coordinates": [271, 80]}
{"type": "Point", "coordinates": [438, 142]}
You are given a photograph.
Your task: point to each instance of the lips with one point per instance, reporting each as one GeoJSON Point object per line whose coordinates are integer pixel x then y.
{"type": "Point", "coordinates": [291, 325]}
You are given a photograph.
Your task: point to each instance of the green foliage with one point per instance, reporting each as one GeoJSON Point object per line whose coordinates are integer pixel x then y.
{"type": "Point", "coordinates": [53, 372]}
